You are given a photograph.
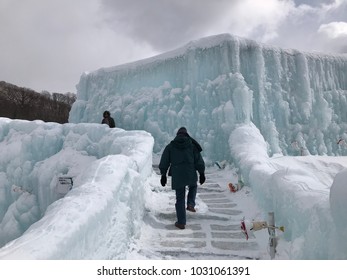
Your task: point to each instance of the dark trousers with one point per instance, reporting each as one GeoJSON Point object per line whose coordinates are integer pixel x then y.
{"type": "Point", "coordinates": [181, 202]}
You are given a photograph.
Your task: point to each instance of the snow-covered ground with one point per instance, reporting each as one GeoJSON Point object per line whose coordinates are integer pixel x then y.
{"type": "Point", "coordinates": [114, 184]}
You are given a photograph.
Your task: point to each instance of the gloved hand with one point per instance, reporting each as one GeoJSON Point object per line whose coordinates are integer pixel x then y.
{"type": "Point", "coordinates": [202, 178]}
{"type": "Point", "coordinates": [163, 180]}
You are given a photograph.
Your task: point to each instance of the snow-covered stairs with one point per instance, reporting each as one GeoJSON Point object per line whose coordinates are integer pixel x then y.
{"type": "Point", "coordinates": [213, 232]}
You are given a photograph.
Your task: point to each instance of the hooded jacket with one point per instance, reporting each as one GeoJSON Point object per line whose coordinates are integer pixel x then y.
{"type": "Point", "coordinates": [182, 156]}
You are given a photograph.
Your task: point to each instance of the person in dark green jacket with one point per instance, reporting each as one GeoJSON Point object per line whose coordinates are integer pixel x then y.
{"type": "Point", "coordinates": [182, 158]}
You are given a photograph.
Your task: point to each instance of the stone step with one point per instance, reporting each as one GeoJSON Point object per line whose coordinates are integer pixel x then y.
{"type": "Point", "coordinates": [179, 254]}
{"type": "Point", "coordinates": [214, 234]}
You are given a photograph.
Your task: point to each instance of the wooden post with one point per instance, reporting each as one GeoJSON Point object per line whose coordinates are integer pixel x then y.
{"type": "Point", "coordinates": [272, 235]}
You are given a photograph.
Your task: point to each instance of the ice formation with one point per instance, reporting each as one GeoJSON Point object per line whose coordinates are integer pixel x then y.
{"type": "Point", "coordinates": [297, 100]}
{"type": "Point", "coordinates": [108, 168]}
{"type": "Point", "coordinates": [251, 104]}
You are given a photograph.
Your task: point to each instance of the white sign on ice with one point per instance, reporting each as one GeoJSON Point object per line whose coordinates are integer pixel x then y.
{"type": "Point", "coordinates": [64, 185]}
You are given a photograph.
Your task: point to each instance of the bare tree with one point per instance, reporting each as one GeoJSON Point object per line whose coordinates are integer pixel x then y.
{"type": "Point", "coordinates": [24, 103]}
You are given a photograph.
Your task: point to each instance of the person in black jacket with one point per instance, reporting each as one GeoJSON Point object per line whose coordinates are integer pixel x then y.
{"type": "Point", "coordinates": [108, 120]}
{"type": "Point", "coordinates": [182, 158]}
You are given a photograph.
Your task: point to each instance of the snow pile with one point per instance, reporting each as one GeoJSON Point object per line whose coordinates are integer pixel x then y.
{"type": "Point", "coordinates": [297, 190]}
{"type": "Point", "coordinates": [108, 167]}
{"type": "Point", "coordinates": [338, 195]}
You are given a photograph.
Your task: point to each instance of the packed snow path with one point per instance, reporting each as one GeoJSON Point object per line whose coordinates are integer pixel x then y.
{"type": "Point", "coordinates": [213, 232]}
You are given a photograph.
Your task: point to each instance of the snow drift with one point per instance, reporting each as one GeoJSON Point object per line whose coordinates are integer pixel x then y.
{"type": "Point", "coordinates": [108, 167]}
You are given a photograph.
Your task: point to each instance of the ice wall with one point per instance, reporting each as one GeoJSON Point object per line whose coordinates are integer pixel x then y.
{"type": "Point", "coordinates": [297, 100]}
{"type": "Point", "coordinates": [108, 167]}
{"type": "Point", "coordinates": [307, 194]}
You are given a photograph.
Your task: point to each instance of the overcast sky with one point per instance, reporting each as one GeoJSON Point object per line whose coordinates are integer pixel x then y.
{"type": "Point", "coordinates": [48, 44]}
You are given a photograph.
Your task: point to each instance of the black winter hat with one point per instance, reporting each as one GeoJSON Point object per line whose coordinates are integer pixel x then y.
{"type": "Point", "coordinates": [182, 131]}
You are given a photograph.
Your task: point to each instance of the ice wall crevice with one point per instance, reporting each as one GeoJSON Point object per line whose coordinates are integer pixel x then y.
{"type": "Point", "coordinates": [211, 85]}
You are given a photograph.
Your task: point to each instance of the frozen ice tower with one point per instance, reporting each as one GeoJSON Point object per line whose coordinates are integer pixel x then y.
{"type": "Point", "coordinates": [297, 100]}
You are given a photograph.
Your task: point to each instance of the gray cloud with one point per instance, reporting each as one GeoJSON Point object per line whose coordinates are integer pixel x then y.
{"type": "Point", "coordinates": [302, 28]}
{"type": "Point", "coordinates": [333, 36]}
{"type": "Point", "coordinates": [167, 24]}
{"type": "Point", "coordinates": [47, 45]}
{"type": "Point", "coordinates": [164, 24]}
{"type": "Point", "coordinates": [313, 3]}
